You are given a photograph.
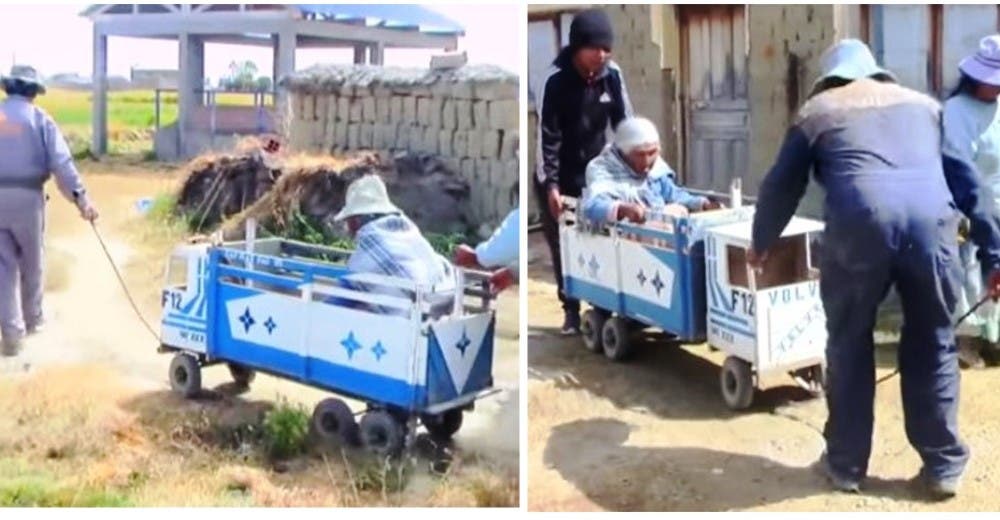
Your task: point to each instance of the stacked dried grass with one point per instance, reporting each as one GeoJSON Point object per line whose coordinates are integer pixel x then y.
{"type": "Point", "coordinates": [276, 189]}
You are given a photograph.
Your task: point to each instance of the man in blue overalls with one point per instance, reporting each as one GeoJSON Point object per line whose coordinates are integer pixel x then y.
{"type": "Point", "coordinates": [31, 149]}
{"type": "Point", "coordinates": [891, 220]}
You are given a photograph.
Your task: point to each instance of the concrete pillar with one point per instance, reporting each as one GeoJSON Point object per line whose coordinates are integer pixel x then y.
{"type": "Point", "coordinates": [359, 54]}
{"type": "Point", "coordinates": [377, 53]}
{"type": "Point", "coordinates": [284, 65]}
{"type": "Point", "coordinates": [191, 80]}
{"type": "Point", "coordinates": [786, 42]}
{"type": "Point", "coordinates": [99, 119]}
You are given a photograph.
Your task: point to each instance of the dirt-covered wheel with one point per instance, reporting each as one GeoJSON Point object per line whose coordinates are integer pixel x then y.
{"type": "Point", "coordinates": [334, 423]}
{"type": "Point", "coordinates": [736, 383]}
{"type": "Point", "coordinates": [185, 375]}
{"type": "Point", "coordinates": [592, 328]}
{"type": "Point", "coordinates": [242, 375]}
{"type": "Point", "coordinates": [615, 336]}
{"type": "Point", "coordinates": [443, 425]}
{"type": "Point", "coordinates": [382, 433]}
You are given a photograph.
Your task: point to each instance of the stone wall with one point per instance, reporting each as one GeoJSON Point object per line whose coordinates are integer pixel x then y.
{"type": "Point", "coordinates": [468, 116]}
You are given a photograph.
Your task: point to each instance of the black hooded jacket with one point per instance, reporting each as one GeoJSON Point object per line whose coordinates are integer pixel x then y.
{"type": "Point", "coordinates": [574, 119]}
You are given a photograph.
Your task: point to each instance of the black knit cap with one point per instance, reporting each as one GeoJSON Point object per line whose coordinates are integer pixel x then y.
{"type": "Point", "coordinates": [591, 28]}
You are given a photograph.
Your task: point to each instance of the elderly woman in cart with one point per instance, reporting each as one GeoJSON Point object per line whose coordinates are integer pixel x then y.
{"type": "Point", "coordinates": [387, 243]}
{"type": "Point", "coordinates": [629, 178]}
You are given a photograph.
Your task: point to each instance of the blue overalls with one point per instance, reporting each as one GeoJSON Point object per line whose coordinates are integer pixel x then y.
{"type": "Point", "coordinates": [891, 212]}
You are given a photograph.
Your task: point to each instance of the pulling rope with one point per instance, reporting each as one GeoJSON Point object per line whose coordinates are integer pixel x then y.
{"type": "Point", "coordinates": [780, 411]}
{"type": "Point", "coordinates": [121, 281]}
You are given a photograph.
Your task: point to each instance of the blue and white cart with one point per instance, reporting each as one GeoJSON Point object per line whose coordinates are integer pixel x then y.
{"type": "Point", "coordinates": [689, 277]}
{"type": "Point", "coordinates": [277, 306]}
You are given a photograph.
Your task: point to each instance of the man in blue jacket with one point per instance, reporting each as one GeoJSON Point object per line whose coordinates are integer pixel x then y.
{"type": "Point", "coordinates": [892, 197]}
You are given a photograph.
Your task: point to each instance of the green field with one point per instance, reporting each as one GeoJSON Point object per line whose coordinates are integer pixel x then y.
{"type": "Point", "coordinates": [131, 116]}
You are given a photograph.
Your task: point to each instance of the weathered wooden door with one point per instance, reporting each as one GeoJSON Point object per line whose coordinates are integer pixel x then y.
{"type": "Point", "coordinates": [717, 115]}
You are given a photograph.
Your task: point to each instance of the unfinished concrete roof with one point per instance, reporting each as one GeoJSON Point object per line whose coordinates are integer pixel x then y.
{"type": "Point", "coordinates": [327, 78]}
{"type": "Point", "coordinates": [318, 25]}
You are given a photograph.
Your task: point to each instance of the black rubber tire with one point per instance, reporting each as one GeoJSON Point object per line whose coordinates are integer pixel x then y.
{"type": "Point", "coordinates": [242, 375]}
{"type": "Point", "coordinates": [443, 425]}
{"type": "Point", "coordinates": [736, 383]}
{"type": "Point", "coordinates": [382, 434]}
{"type": "Point", "coordinates": [615, 337]}
{"type": "Point", "coordinates": [185, 375]}
{"type": "Point", "coordinates": [334, 423]}
{"type": "Point", "coordinates": [592, 328]}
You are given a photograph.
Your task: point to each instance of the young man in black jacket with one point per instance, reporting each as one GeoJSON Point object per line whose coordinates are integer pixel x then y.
{"type": "Point", "coordinates": [580, 101]}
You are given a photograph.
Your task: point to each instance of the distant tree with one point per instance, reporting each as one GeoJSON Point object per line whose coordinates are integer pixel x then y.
{"type": "Point", "coordinates": [241, 76]}
{"type": "Point", "coordinates": [263, 84]}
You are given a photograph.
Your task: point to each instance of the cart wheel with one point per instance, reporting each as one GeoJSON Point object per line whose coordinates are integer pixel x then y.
{"type": "Point", "coordinates": [443, 425]}
{"type": "Point", "coordinates": [614, 335]}
{"type": "Point", "coordinates": [185, 375]}
{"type": "Point", "coordinates": [593, 324]}
{"type": "Point", "coordinates": [817, 373]}
{"type": "Point", "coordinates": [381, 433]}
{"type": "Point", "coordinates": [333, 421]}
{"type": "Point", "coordinates": [736, 380]}
{"type": "Point", "coordinates": [242, 375]}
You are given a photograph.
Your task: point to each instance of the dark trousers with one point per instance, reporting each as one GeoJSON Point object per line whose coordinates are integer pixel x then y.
{"type": "Point", "coordinates": [550, 228]}
{"type": "Point", "coordinates": [861, 260]}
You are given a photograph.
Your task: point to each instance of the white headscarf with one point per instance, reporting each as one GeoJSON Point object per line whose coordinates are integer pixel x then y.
{"type": "Point", "coordinates": [636, 132]}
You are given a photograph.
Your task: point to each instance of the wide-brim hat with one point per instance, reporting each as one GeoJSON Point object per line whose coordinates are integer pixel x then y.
{"type": "Point", "coordinates": [984, 65]}
{"type": "Point", "coordinates": [850, 59]}
{"type": "Point", "coordinates": [366, 196]}
{"type": "Point", "coordinates": [24, 74]}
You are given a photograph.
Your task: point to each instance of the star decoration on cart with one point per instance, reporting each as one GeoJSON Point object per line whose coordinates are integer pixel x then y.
{"type": "Point", "coordinates": [270, 325]}
{"type": "Point", "coordinates": [247, 320]}
{"type": "Point", "coordinates": [642, 278]}
{"type": "Point", "coordinates": [582, 261]}
{"type": "Point", "coordinates": [594, 266]}
{"type": "Point", "coordinates": [658, 283]}
{"type": "Point", "coordinates": [463, 343]}
{"type": "Point", "coordinates": [351, 344]}
{"type": "Point", "coordinates": [379, 351]}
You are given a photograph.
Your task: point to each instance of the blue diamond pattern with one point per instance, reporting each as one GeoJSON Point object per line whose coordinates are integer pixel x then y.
{"type": "Point", "coordinates": [594, 266]}
{"type": "Point", "coordinates": [658, 283]}
{"type": "Point", "coordinates": [642, 278]}
{"type": "Point", "coordinates": [270, 325]}
{"type": "Point", "coordinates": [247, 320]}
{"type": "Point", "coordinates": [351, 345]}
{"type": "Point", "coordinates": [379, 351]}
{"type": "Point", "coordinates": [463, 343]}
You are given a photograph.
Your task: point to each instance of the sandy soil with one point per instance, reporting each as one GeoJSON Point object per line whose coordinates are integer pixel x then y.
{"type": "Point", "coordinates": [653, 433]}
{"type": "Point", "coordinates": [93, 330]}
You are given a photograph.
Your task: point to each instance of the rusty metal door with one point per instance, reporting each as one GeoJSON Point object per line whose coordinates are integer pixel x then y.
{"type": "Point", "coordinates": [717, 114]}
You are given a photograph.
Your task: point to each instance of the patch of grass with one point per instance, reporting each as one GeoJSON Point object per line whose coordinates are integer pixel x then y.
{"type": "Point", "coordinates": [286, 430]}
{"type": "Point", "coordinates": [42, 492]}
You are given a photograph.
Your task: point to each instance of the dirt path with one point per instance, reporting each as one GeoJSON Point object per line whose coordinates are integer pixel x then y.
{"type": "Point", "coordinates": [653, 433]}
{"type": "Point", "coordinates": [91, 323]}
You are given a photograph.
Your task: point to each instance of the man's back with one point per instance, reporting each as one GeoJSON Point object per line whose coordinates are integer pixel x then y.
{"type": "Point", "coordinates": [22, 126]}
{"type": "Point", "coordinates": [868, 136]}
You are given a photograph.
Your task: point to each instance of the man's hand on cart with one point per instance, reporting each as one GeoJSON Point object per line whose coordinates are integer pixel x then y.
{"type": "Point", "coordinates": [555, 202]}
{"type": "Point", "coordinates": [756, 260]}
{"type": "Point", "coordinates": [632, 212]}
{"type": "Point", "coordinates": [710, 205]}
{"type": "Point", "coordinates": [465, 256]}
{"type": "Point", "coordinates": [993, 284]}
{"type": "Point", "coordinates": [501, 279]}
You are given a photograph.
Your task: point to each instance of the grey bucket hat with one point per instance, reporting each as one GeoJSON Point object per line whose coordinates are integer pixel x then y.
{"type": "Point", "coordinates": [24, 74]}
{"type": "Point", "coordinates": [849, 59]}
